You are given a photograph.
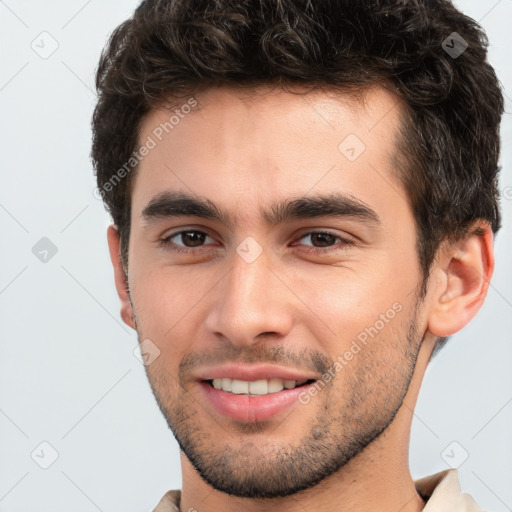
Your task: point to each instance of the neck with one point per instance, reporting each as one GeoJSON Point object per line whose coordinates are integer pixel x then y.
{"type": "Point", "coordinates": [378, 478]}
{"type": "Point", "coordinates": [385, 485]}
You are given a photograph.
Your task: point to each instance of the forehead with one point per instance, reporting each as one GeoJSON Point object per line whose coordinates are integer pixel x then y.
{"type": "Point", "coordinates": [243, 148]}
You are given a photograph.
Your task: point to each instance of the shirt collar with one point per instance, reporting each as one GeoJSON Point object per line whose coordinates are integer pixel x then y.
{"type": "Point", "coordinates": [443, 494]}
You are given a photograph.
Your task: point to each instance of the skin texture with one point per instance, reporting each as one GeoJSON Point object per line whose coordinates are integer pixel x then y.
{"type": "Point", "coordinates": [347, 448]}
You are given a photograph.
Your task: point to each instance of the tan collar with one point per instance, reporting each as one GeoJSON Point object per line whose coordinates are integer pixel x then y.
{"type": "Point", "coordinates": [444, 493]}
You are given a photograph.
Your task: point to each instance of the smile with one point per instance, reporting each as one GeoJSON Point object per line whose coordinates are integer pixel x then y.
{"type": "Point", "coordinates": [256, 387]}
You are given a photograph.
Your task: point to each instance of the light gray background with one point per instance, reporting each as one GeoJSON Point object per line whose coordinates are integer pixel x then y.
{"type": "Point", "coordinates": [68, 375]}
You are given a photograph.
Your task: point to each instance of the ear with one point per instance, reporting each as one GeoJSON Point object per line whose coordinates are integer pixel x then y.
{"type": "Point", "coordinates": [464, 270]}
{"type": "Point", "coordinates": [120, 277]}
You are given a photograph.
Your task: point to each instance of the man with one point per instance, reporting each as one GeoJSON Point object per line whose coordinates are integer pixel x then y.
{"type": "Point", "coordinates": [304, 197]}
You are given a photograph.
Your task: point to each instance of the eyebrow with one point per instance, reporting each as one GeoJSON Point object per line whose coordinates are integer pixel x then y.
{"type": "Point", "coordinates": [179, 204]}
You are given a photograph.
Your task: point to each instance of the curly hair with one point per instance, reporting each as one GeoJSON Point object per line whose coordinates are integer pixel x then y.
{"type": "Point", "coordinates": [449, 136]}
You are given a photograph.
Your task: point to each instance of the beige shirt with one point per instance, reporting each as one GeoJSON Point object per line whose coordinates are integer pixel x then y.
{"type": "Point", "coordinates": [441, 492]}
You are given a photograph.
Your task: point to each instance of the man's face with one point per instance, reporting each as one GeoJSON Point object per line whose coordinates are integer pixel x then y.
{"type": "Point", "coordinates": [258, 291]}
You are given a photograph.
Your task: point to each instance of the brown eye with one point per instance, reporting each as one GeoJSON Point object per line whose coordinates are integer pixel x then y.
{"type": "Point", "coordinates": [323, 239]}
{"type": "Point", "coordinates": [323, 242]}
{"type": "Point", "coordinates": [192, 238]}
{"type": "Point", "coordinates": [185, 240]}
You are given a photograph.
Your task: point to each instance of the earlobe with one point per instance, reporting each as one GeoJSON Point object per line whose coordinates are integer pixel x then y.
{"type": "Point", "coordinates": [120, 277]}
{"type": "Point", "coordinates": [464, 271]}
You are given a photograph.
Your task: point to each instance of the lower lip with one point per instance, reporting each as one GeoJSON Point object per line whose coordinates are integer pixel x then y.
{"type": "Point", "coordinates": [251, 408]}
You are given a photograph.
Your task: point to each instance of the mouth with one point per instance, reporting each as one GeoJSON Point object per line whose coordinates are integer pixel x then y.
{"type": "Point", "coordinates": [260, 387]}
{"type": "Point", "coordinates": [250, 401]}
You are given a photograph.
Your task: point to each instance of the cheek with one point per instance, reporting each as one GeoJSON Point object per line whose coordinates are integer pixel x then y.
{"type": "Point", "coordinates": [166, 293]}
{"type": "Point", "coordinates": [159, 303]}
{"type": "Point", "coordinates": [343, 303]}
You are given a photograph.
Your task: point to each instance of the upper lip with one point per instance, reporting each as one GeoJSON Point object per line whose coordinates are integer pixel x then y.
{"type": "Point", "coordinates": [253, 372]}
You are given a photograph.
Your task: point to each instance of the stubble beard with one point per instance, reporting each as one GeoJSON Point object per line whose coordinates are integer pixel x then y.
{"type": "Point", "coordinates": [347, 416]}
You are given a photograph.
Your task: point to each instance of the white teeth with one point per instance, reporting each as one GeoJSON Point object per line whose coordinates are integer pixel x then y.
{"type": "Point", "coordinates": [275, 385]}
{"type": "Point", "coordinates": [239, 387]}
{"type": "Point", "coordinates": [257, 387]}
{"type": "Point", "coordinates": [225, 384]}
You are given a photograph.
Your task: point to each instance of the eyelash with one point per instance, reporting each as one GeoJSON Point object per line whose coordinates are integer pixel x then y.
{"type": "Point", "coordinates": [167, 244]}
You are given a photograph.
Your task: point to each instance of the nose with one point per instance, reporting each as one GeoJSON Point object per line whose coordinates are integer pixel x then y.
{"type": "Point", "coordinates": [251, 301]}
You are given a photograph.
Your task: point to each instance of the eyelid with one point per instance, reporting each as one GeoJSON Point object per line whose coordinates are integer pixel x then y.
{"type": "Point", "coordinates": [184, 229]}
{"type": "Point", "coordinates": [326, 231]}
{"type": "Point", "coordinates": [343, 240]}
{"type": "Point", "coordinates": [165, 242]}
{"type": "Point", "coordinates": [181, 231]}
